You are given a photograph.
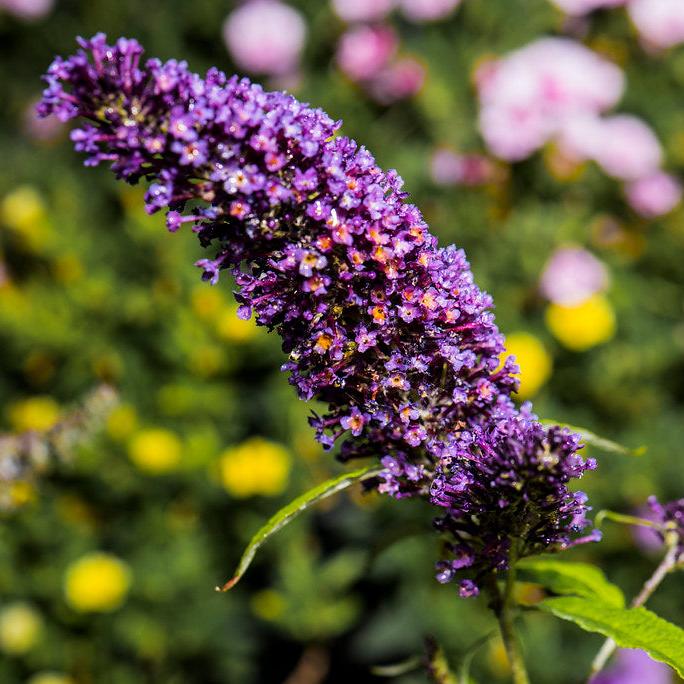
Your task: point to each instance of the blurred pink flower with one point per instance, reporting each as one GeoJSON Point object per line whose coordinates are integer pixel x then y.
{"type": "Point", "coordinates": [265, 37]}
{"type": "Point", "coordinates": [427, 10]}
{"type": "Point", "coordinates": [572, 275]}
{"type": "Point", "coordinates": [450, 168]}
{"type": "Point", "coordinates": [654, 195]}
{"type": "Point", "coordinates": [363, 51]}
{"type": "Point", "coordinates": [27, 9]}
{"type": "Point", "coordinates": [624, 146]}
{"type": "Point", "coordinates": [632, 666]}
{"type": "Point", "coordinates": [528, 96]}
{"type": "Point", "coordinates": [578, 8]}
{"type": "Point", "coordinates": [362, 10]}
{"type": "Point", "coordinates": [399, 80]}
{"type": "Point", "coordinates": [659, 22]}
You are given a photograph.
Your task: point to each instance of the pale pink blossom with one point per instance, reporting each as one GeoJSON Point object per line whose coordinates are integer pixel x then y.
{"type": "Point", "coordinates": [528, 96]}
{"type": "Point", "coordinates": [625, 147]}
{"type": "Point", "coordinates": [362, 10]}
{"type": "Point", "coordinates": [427, 10]}
{"type": "Point", "coordinates": [364, 51]}
{"type": "Point", "coordinates": [654, 195]}
{"type": "Point", "coordinates": [265, 37]}
{"type": "Point", "coordinates": [578, 8]}
{"type": "Point", "coordinates": [450, 168]}
{"type": "Point", "coordinates": [660, 23]}
{"type": "Point", "coordinates": [399, 80]}
{"type": "Point", "coordinates": [572, 275]}
{"type": "Point", "coordinates": [28, 10]}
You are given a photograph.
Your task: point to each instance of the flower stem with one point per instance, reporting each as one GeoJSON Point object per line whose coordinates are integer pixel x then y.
{"type": "Point", "coordinates": [666, 566]}
{"type": "Point", "coordinates": [504, 607]}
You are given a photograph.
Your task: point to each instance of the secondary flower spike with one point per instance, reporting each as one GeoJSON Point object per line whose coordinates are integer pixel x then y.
{"type": "Point", "coordinates": [379, 323]}
{"type": "Point", "coordinates": [506, 496]}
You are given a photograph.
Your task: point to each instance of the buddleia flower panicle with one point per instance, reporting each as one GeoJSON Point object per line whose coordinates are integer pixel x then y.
{"type": "Point", "coordinates": [379, 323]}
{"type": "Point", "coordinates": [670, 516]}
{"type": "Point", "coordinates": [508, 487]}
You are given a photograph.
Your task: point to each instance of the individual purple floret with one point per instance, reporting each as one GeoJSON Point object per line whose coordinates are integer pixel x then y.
{"type": "Point", "coordinates": [508, 485]}
{"type": "Point", "coordinates": [671, 516]}
{"type": "Point", "coordinates": [381, 324]}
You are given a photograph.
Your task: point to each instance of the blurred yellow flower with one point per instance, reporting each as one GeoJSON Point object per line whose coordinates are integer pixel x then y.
{"type": "Point", "coordinates": [35, 413]}
{"type": "Point", "coordinates": [50, 678]}
{"type": "Point", "coordinates": [268, 604]}
{"type": "Point", "coordinates": [233, 329]}
{"type": "Point", "coordinates": [534, 361]}
{"type": "Point", "coordinates": [155, 451]}
{"type": "Point", "coordinates": [121, 422]}
{"type": "Point", "coordinates": [257, 466]}
{"type": "Point", "coordinates": [20, 628]}
{"type": "Point", "coordinates": [206, 301]}
{"type": "Point", "coordinates": [582, 326]}
{"type": "Point", "coordinates": [23, 209]}
{"type": "Point", "coordinates": [21, 492]}
{"type": "Point", "coordinates": [97, 582]}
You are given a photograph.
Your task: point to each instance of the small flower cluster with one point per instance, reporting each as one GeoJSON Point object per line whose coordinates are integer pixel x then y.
{"type": "Point", "coordinates": [379, 322]}
{"type": "Point", "coordinates": [506, 494]}
{"type": "Point", "coordinates": [671, 516]}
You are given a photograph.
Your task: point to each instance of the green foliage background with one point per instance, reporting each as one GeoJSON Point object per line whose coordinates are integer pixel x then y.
{"type": "Point", "coordinates": [100, 292]}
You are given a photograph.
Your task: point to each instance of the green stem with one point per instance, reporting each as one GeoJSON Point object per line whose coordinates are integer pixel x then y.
{"type": "Point", "coordinates": [504, 607]}
{"type": "Point", "coordinates": [667, 565]}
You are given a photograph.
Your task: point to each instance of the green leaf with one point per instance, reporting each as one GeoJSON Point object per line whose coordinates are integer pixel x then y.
{"type": "Point", "coordinates": [628, 627]}
{"type": "Point", "coordinates": [598, 442]}
{"type": "Point", "coordinates": [291, 511]}
{"type": "Point", "coordinates": [575, 579]}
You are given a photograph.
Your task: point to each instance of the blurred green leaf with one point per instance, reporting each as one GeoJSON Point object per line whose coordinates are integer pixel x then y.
{"type": "Point", "coordinates": [291, 511]}
{"type": "Point", "coordinates": [598, 442]}
{"type": "Point", "coordinates": [575, 579]}
{"type": "Point", "coordinates": [397, 669]}
{"type": "Point", "coordinates": [628, 627]}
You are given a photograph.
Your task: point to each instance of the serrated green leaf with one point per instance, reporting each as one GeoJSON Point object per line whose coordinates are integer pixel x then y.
{"type": "Point", "coordinates": [291, 511]}
{"type": "Point", "coordinates": [598, 442]}
{"type": "Point", "coordinates": [575, 579]}
{"type": "Point", "coordinates": [628, 627]}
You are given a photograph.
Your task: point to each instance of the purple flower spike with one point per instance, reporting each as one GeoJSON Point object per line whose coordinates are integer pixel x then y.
{"type": "Point", "coordinates": [385, 327]}
{"type": "Point", "coordinates": [321, 242]}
